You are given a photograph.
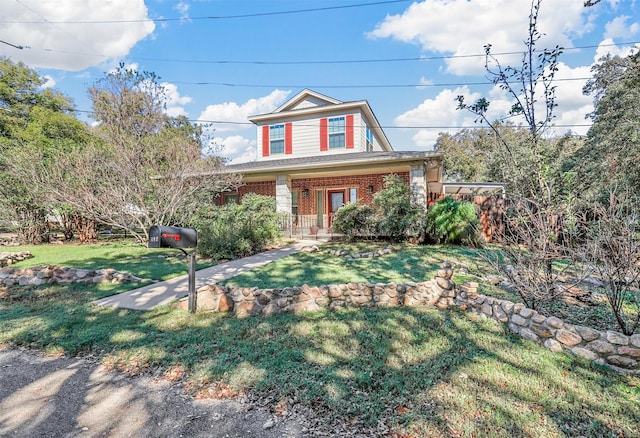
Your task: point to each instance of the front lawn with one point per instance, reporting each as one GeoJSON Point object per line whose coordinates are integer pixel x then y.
{"type": "Point", "coordinates": [419, 371]}
{"type": "Point", "coordinates": [124, 256]}
{"type": "Point", "coordinates": [407, 263]}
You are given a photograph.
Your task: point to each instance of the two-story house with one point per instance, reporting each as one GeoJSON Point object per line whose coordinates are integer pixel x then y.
{"type": "Point", "coordinates": [316, 153]}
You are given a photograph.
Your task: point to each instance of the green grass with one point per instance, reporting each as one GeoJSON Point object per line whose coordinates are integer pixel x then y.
{"type": "Point", "coordinates": [124, 256]}
{"type": "Point", "coordinates": [422, 372]}
{"type": "Point", "coordinates": [408, 263]}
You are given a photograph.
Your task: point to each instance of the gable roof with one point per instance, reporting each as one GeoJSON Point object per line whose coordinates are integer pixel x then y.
{"type": "Point", "coordinates": [322, 104]}
{"type": "Point", "coordinates": [306, 94]}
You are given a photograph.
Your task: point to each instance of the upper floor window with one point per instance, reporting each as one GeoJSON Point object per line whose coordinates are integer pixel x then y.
{"type": "Point", "coordinates": [369, 140]}
{"type": "Point", "coordinates": [276, 139]}
{"type": "Point", "coordinates": [337, 132]}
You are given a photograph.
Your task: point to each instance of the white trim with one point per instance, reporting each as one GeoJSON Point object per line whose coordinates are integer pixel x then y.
{"type": "Point", "coordinates": [456, 188]}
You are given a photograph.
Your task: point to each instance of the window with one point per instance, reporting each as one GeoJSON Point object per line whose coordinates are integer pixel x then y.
{"type": "Point", "coordinates": [369, 140]}
{"type": "Point", "coordinates": [231, 199]}
{"type": "Point", "coordinates": [336, 133]}
{"type": "Point", "coordinates": [353, 194]}
{"type": "Point", "coordinates": [294, 205]}
{"type": "Point", "coordinates": [276, 139]}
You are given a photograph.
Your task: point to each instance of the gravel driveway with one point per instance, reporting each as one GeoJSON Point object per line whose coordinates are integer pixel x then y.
{"type": "Point", "coordinates": [71, 397]}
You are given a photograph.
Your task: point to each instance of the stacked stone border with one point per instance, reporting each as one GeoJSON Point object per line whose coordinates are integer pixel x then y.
{"type": "Point", "coordinates": [609, 348]}
{"type": "Point", "coordinates": [363, 255]}
{"type": "Point", "coordinates": [9, 258]}
{"type": "Point", "coordinates": [45, 274]}
{"type": "Point", "coordinates": [9, 241]}
{"type": "Point", "coordinates": [245, 301]}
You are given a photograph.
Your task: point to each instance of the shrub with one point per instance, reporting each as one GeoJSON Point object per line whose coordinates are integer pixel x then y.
{"type": "Point", "coordinates": [453, 222]}
{"type": "Point", "coordinates": [354, 220]}
{"type": "Point", "coordinates": [237, 230]}
{"type": "Point", "coordinates": [396, 216]}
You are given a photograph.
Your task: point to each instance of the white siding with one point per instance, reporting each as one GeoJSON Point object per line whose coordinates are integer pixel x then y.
{"type": "Point", "coordinates": [310, 102]}
{"type": "Point", "coordinates": [306, 137]}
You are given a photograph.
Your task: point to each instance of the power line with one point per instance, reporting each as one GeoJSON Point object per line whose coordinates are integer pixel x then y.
{"type": "Point", "coordinates": [318, 86]}
{"type": "Point", "coordinates": [215, 17]}
{"type": "Point", "coordinates": [479, 126]}
{"type": "Point", "coordinates": [318, 62]}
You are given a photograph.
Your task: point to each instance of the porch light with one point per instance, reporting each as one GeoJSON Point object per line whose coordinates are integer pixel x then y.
{"type": "Point", "coordinates": [305, 193]}
{"type": "Point", "coordinates": [370, 190]}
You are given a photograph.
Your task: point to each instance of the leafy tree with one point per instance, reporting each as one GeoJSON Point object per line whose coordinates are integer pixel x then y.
{"type": "Point", "coordinates": [609, 160]}
{"type": "Point", "coordinates": [36, 124]}
{"type": "Point", "coordinates": [146, 167]}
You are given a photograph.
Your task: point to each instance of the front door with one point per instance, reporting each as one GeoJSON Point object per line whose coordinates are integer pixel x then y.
{"type": "Point", "coordinates": [336, 200]}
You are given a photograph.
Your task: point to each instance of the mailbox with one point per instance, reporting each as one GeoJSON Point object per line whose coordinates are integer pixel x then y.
{"type": "Point", "coordinates": [172, 237]}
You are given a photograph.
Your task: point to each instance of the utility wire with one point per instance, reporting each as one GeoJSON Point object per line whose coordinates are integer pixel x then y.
{"type": "Point", "coordinates": [215, 17]}
{"type": "Point", "coordinates": [319, 86]}
{"type": "Point", "coordinates": [479, 126]}
{"type": "Point", "coordinates": [334, 61]}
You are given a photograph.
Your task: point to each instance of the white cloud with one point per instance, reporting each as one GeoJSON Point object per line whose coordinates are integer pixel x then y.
{"type": "Point", "coordinates": [237, 114]}
{"type": "Point", "coordinates": [175, 102]}
{"type": "Point", "coordinates": [608, 47]}
{"type": "Point", "coordinates": [51, 44]}
{"type": "Point", "coordinates": [439, 112]}
{"type": "Point", "coordinates": [573, 106]}
{"type": "Point", "coordinates": [183, 10]}
{"type": "Point", "coordinates": [441, 115]}
{"type": "Point", "coordinates": [49, 82]}
{"type": "Point", "coordinates": [474, 23]}
{"type": "Point", "coordinates": [236, 149]}
{"type": "Point", "coordinates": [618, 28]}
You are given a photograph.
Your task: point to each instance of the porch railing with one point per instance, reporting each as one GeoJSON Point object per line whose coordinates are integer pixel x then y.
{"type": "Point", "coordinates": [306, 226]}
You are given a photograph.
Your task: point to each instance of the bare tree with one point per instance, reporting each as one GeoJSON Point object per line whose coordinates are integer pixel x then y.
{"type": "Point", "coordinates": [612, 250]}
{"type": "Point", "coordinates": [539, 217]}
{"type": "Point", "coordinates": [142, 167]}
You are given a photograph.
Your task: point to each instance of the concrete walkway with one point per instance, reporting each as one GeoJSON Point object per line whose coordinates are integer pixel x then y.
{"type": "Point", "coordinates": [158, 294]}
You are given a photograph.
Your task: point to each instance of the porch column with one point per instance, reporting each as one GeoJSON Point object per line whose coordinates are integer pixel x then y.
{"type": "Point", "coordinates": [418, 184]}
{"type": "Point", "coordinates": [283, 194]}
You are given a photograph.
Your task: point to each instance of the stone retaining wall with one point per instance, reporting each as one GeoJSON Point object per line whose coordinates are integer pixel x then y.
{"type": "Point", "coordinates": [39, 275]}
{"type": "Point", "coordinates": [9, 241]}
{"type": "Point", "coordinates": [610, 348]}
{"type": "Point", "coordinates": [9, 258]}
{"type": "Point", "coordinates": [438, 292]}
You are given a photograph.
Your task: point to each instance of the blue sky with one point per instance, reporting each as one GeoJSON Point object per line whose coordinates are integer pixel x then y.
{"type": "Point", "coordinates": [224, 60]}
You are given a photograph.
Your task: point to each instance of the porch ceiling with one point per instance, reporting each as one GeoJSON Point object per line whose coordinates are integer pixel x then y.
{"type": "Point", "coordinates": [327, 172]}
{"type": "Point", "coordinates": [339, 165]}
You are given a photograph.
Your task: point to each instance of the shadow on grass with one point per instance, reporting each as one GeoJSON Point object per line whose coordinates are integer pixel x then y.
{"type": "Point", "coordinates": [420, 371]}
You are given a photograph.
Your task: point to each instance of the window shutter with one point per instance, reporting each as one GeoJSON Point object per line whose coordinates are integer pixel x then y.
{"type": "Point", "coordinates": [288, 139]}
{"type": "Point", "coordinates": [349, 129]}
{"type": "Point", "coordinates": [265, 141]}
{"type": "Point", "coordinates": [324, 135]}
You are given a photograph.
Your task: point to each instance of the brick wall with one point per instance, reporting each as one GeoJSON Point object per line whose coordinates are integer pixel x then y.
{"type": "Point", "coordinates": [307, 205]}
{"type": "Point", "coordinates": [265, 188]}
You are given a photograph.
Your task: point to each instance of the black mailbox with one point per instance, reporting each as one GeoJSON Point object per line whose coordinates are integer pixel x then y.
{"type": "Point", "coordinates": [172, 237]}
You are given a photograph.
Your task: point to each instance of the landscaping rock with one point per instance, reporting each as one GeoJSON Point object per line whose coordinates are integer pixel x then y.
{"type": "Point", "coordinates": [44, 274]}
{"type": "Point", "coordinates": [601, 347]}
{"type": "Point", "coordinates": [620, 361]}
{"type": "Point", "coordinates": [617, 338]}
{"type": "Point", "coordinates": [568, 338]}
{"type": "Point", "coordinates": [584, 353]}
